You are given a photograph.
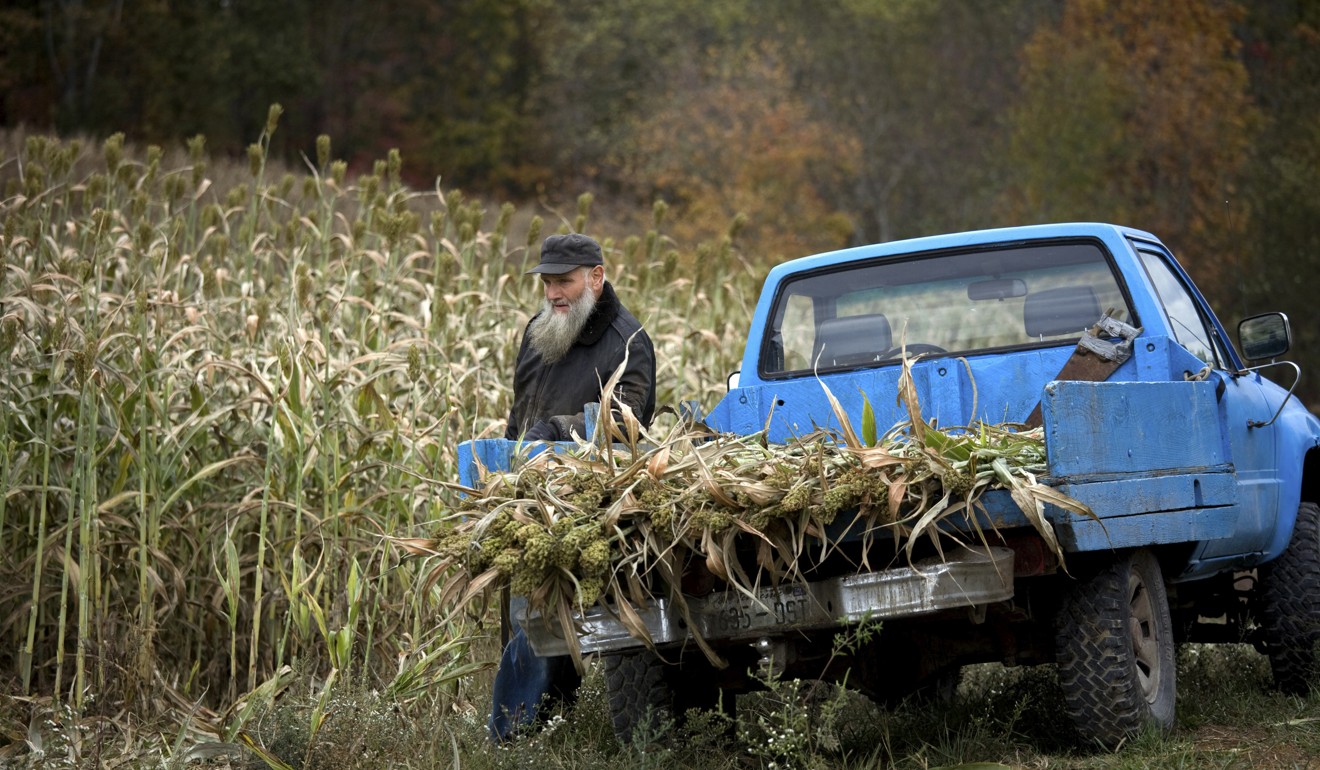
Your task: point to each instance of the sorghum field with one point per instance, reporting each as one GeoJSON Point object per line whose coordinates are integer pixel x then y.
{"type": "Point", "coordinates": [225, 387]}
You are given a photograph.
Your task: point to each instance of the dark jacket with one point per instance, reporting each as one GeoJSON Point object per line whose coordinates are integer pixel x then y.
{"type": "Point", "coordinates": [560, 390]}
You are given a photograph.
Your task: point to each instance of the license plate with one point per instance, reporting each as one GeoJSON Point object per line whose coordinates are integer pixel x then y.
{"type": "Point", "coordinates": [790, 606]}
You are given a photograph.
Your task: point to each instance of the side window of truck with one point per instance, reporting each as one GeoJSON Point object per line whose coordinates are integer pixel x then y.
{"type": "Point", "coordinates": [798, 330]}
{"type": "Point", "coordinates": [1189, 327]}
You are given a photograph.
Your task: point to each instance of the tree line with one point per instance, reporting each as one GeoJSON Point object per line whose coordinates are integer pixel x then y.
{"type": "Point", "coordinates": [811, 125]}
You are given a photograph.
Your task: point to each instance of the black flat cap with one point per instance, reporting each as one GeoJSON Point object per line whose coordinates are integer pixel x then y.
{"type": "Point", "coordinates": [562, 253]}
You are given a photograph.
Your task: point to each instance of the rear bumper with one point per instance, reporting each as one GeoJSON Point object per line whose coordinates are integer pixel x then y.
{"type": "Point", "coordinates": [968, 577]}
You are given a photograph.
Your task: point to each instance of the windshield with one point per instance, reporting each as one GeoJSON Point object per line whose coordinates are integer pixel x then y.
{"type": "Point", "coordinates": [861, 315]}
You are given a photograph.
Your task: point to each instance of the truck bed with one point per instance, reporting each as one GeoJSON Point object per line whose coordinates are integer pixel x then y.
{"type": "Point", "coordinates": [1148, 458]}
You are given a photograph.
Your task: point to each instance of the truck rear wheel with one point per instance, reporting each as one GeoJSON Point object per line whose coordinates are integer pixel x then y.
{"type": "Point", "coordinates": [1114, 645]}
{"type": "Point", "coordinates": [1290, 605]}
{"type": "Point", "coordinates": [648, 696]}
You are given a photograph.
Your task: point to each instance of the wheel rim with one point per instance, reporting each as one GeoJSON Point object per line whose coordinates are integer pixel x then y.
{"type": "Point", "coordinates": [1144, 636]}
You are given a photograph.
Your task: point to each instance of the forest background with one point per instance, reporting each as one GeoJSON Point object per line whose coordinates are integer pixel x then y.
{"type": "Point", "coordinates": [824, 124]}
{"type": "Point", "coordinates": [222, 387]}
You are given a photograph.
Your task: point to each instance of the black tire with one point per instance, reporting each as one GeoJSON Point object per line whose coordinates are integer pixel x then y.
{"type": "Point", "coordinates": [638, 694]}
{"type": "Point", "coordinates": [1115, 649]}
{"type": "Point", "coordinates": [648, 696]}
{"type": "Point", "coordinates": [1290, 606]}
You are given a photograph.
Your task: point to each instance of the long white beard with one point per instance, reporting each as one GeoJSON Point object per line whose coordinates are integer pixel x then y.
{"type": "Point", "coordinates": [552, 334]}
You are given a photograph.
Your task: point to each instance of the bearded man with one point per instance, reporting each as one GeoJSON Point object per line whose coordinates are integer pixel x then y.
{"type": "Point", "coordinates": [573, 346]}
{"type": "Point", "coordinates": [569, 350]}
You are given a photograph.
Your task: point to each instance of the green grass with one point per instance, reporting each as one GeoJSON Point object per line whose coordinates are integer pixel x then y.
{"type": "Point", "coordinates": [223, 387]}
{"type": "Point", "coordinates": [1013, 717]}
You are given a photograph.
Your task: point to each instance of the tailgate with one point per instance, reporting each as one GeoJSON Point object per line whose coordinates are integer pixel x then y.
{"type": "Point", "coordinates": [1151, 459]}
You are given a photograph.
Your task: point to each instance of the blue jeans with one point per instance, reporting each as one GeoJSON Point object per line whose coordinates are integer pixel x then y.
{"type": "Point", "coordinates": [525, 683]}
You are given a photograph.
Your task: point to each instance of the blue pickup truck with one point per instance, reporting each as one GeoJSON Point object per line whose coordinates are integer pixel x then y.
{"type": "Point", "coordinates": [1202, 474]}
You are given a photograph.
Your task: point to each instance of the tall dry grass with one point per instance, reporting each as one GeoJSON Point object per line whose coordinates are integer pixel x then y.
{"type": "Point", "coordinates": [218, 398]}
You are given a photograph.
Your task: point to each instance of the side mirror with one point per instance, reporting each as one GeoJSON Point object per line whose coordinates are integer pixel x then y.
{"type": "Point", "coordinates": [1264, 336]}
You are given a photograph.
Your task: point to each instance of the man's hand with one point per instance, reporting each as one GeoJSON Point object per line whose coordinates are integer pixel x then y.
{"type": "Point", "coordinates": [541, 431]}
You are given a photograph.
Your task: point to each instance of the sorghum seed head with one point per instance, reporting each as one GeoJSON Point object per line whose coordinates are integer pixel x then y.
{"type": "Point", "coordinates": [35, 148]}
{"type": "Point", "coordinates": [137, 206]}
{"type": "Point", "coordinates": [444, 267]}
{"type": "Point", "coordinates": [34, 179]}
{"type": "Point", "coordinates": [219, 244]}
{"type": "Point", "coordinates": [736, 227]}
{"type": "Point", "coordinates": [414, 364]}
{"type": "Point", "coordinates": [9, 329]}
{"type": "Point", "coordinates": [113, 148]}
{"type": "Point", "coordinates": [304, 284]}
{"type": "Point", "coordinates": [212, 215]}
{"type": "Point", "coordinates": [370, 186]}
{"type": "Point", "coordinates": [97, 184]}
{"type": "Point", "coordinates": [506, 214]}
{"type": "Point", "coordinates": [102, 220]}
{"type": "Point", "coordinates": [85, 361]}
{"type": "Point", "coordinates": [143, 235]}
{"type": "Point", "coordinates": [273, 118]}
{"type": "Point", "coordinates": [174, 187]}
{"type": "Point", "coordinates": [63, 161]}
{"type": "Point", "coordinates": [658, 211]}
{"type": "Point", "coordinates": [534, 232]}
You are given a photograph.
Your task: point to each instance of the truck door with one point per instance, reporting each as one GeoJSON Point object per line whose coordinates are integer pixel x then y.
{"type": "Point", "coordinates": [1254, 452]}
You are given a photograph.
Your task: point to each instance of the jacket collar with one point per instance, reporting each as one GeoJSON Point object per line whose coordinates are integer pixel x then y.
{"type": "Point", "coordinates": [607, 308]}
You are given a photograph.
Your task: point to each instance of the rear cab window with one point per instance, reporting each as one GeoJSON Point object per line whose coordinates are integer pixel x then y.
{"type": "Point", "coordinates": [861, 314]}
